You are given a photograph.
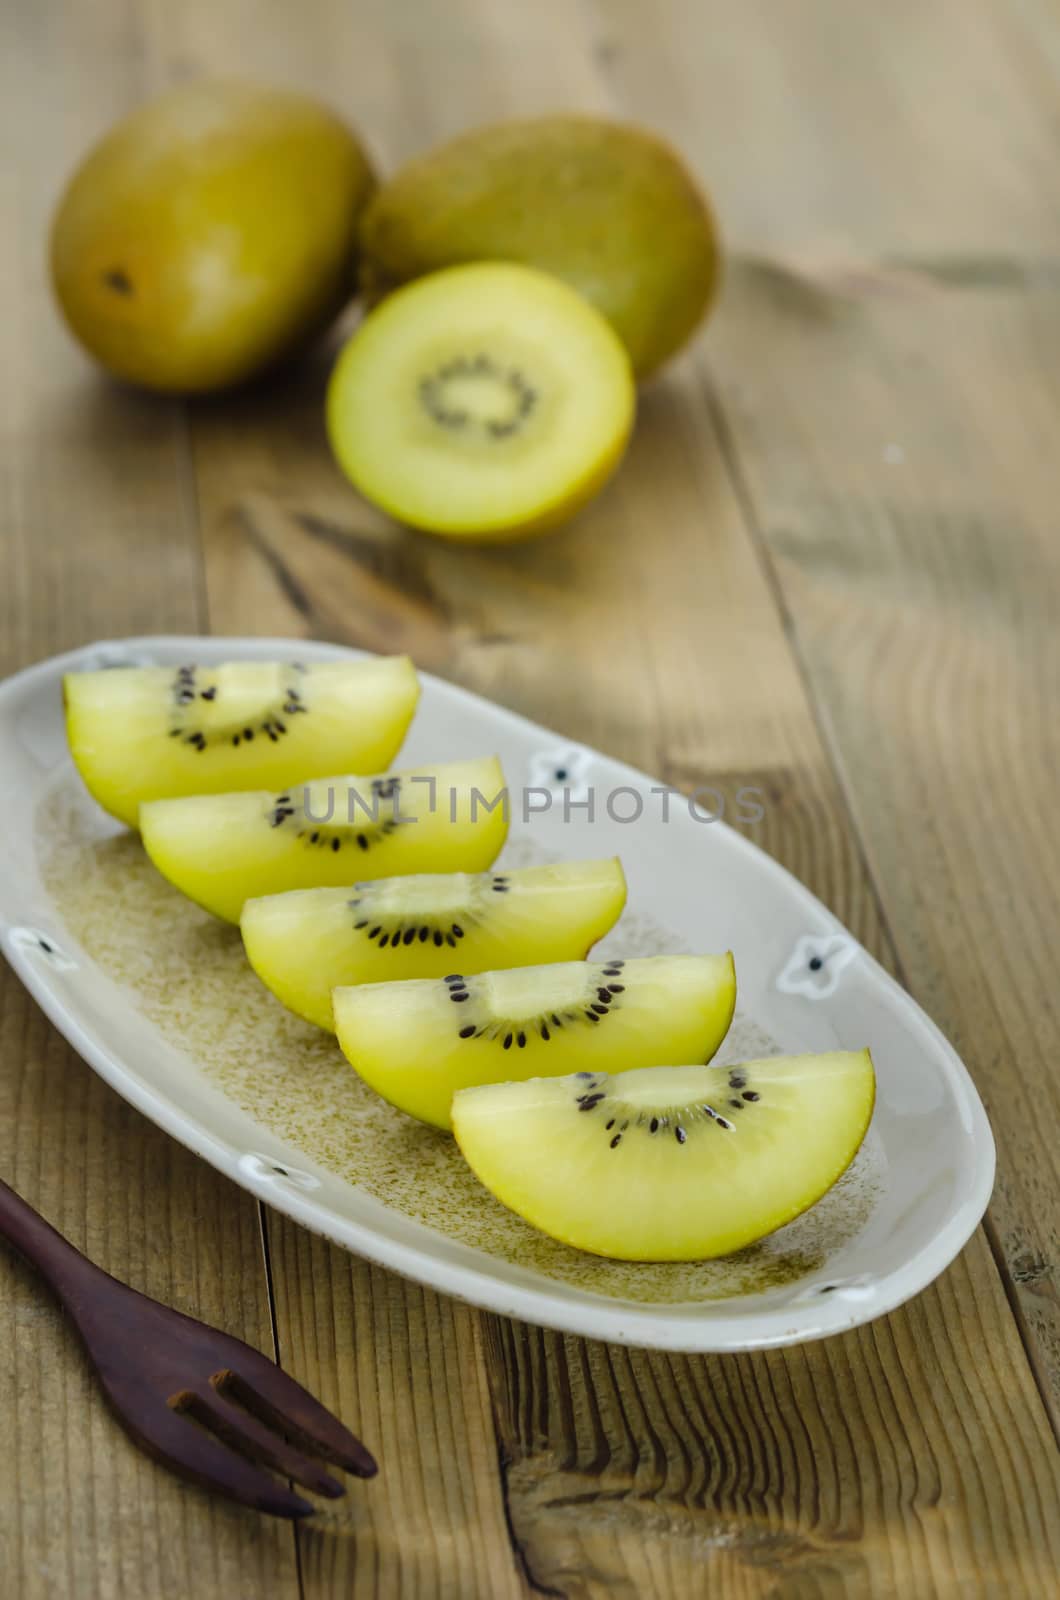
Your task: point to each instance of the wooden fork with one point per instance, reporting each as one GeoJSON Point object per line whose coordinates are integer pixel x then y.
{"type": "Point", "coordinates": [205, 1404]}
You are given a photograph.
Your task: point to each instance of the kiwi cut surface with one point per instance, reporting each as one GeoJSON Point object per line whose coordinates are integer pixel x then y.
{"type": "Point", "coordinates": [670, 1163]}
{"type": "Point", "coordinates": [308, 942]}
{"type": "Point", "coordinates": [222, 850]}
{"type": "Point", "coordinates": [148, 733]}
{"type": "Point", "coordinates": [487, 401]}
{"type": "Point", "coordinates": [416, 1043]}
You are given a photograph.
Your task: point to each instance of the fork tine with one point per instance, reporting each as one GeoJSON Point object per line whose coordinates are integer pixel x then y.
{"type": "Point", "coordinates": [175, 1440]}
{"type": "Point", "coordinates": [237, 1427]}
{"type": "Point", "coordinates": [277, 1399]}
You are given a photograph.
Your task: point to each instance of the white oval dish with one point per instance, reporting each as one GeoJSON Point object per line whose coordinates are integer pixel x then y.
{"type": "Point", "coordinates": [908, 1207]}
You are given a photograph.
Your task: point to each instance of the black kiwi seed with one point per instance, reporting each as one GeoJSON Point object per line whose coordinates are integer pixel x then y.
{"type": "Point", "coordinates": [616, 1141]}
{"type": "Point", "coordinates": [616, 988]}
{"type": "Point", "coordinates": [737, 1105]}
{"type": "Point", "coordinates": [385, 939]}
{"type": "Point", "coordinates": [749, 1094]}
{"type": "Point", "coordinates": [460, 994]}
{"type": "Point", "coordinates": [601, 1011]}
{"type": "Point", "coordinates": [409, 935]}
{"type": "Point", "coordinates": [679, 1134]}
{"type": "Point", "coordinates": [468, 1032]}
{"type": "Point", "coordinates": [653, 1126]}
{"type": "Point", "coordinates": [520, 1039]}
{"type": "Point", "coordinates": [453, 977]}
{"type": "Point", "coordinates": [336, 844]}
{"type": "Point", "coordinates": [716, 1116]}
{"type": "Point", "coordinates": [610, 1125]}
{"type": "Point", "coordinates": [437, 937]}
{"type": "Point", "coordinates": [605, 995]}
{"type": "Point", "coordinates": [543, 1030]}
{"type": "Point", "coordinates": [507, 1041]}
{"type": "Point", "coordinates": [425, 934]}
{"type": "Point", "coordinates": [579, 1074]}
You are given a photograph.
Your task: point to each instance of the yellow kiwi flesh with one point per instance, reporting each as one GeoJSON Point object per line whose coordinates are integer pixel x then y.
{"type": "Point", "coordinates": [222, 850]}
{"type": "Point", "coordinates": [669, 1163]}
{"type": "Point", "coordinates": [148, 733]}
{"type": "Point", "coordinates": [416, 1043]}
{"type": "Point", "coordinates": [484, 402]}
{"type": "Point", "coordinates": [307, 943]}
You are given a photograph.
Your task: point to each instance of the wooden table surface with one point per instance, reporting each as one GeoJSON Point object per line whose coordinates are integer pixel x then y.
{"type": "Point", "coordinates": [830, 568]}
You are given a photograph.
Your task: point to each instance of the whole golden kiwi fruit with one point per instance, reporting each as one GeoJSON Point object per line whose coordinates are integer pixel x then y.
{"type": "Point", "coordinates": [210, 234]}
{"type": "Point", "coordinates": [608, 207]}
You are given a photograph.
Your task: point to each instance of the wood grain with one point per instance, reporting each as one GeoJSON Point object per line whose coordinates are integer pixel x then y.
{"type": "Point", "coordinates": [897, 469]}
{"type": "Point", "coordinates": [769, 595]}
{"type": "Point", "coordinates": [99, 538]}
{"type": "Point", "coordinates": [924, 599]}
{"type": "Point", "coordinates": [410, 1365]}
{"type": "Point", "coordinates": [871, 1465]}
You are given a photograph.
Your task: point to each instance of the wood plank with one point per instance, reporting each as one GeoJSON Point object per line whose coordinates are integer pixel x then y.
{"type": "Point", "coordinates": [410, 1365]}
{"type": "Point", "coordinates": [99, 538]}
{"type": "Point", "coordinates": [764, 735]}
{"type": "Point", "coordinates": [896, 463]}
{"type": "Point", "coordinates": [912, 1457]}
{"type": "Point", "coordinates": [924, 597]}
{"type": "Point", "coordinates": [407, 1363]}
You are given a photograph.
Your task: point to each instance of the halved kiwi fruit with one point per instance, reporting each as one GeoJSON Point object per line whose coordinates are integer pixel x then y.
{"type": "Point", "coordinates": [484, 402]}
{"type": "Point", "coordinates": [147, 733]}
{"type": "Point", "coordinates": [416, 1043]}
{"type": "Point", "coordinates": [221, 850]}
{"type": "Point", "coordinates": [308, 942]}
{"type": "Point", "coordinates": [672, 1163]}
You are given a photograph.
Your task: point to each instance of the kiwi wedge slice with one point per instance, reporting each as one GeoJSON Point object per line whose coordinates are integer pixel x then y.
{"type": "Point", "coordinates": [671, 1163]}
{"type": "Point", "coordinates": [416, 1043]}
{"type": "Point", "coordinates": [148, 733]}
{"type": "Point", "coordinates": [486, 401]}
{"type": "Point", "coordinates": [308, 942]}
{"type": "Point", "coordinates": [222, 850]}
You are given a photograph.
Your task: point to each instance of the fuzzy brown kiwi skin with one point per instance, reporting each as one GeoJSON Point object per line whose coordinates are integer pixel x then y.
{"type": "Point", "coordinates": [455, 204]}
